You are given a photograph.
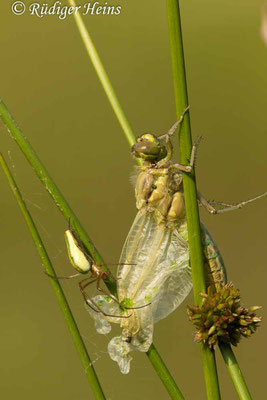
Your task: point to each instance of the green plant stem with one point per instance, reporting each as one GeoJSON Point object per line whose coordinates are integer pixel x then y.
{"type": "Point", "coordinates": [210, 372]}
{"type": "Point", "coordinates": [235, 372]}
{"type": "Point", "coordinates": [189, 184]}
{"type": "Point", "coordinates": [69, 215]}
{"type": "Point", "coordinates": [79, 344]}
{"type": "Point", "coordinates": [164, 374]}
{"type": "Point", "coordinates": [103, 77]}
{"type": "Point", "coordinates": [53, 190]}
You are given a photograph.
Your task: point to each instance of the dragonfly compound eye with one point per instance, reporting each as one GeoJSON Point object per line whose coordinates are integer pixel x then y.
{"type": "Point", "coordinates": [149, 147]}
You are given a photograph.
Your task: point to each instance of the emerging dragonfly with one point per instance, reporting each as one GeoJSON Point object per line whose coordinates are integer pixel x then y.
{"type": "Point", "coordinates": [157, 245]}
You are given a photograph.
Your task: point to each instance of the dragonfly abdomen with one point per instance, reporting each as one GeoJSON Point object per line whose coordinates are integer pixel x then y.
{"type": "Point", "coordinates": [213, 262]}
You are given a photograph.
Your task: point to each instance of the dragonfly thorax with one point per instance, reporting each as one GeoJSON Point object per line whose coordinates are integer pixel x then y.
{"type": "Point", "coordinates": [160, 190]}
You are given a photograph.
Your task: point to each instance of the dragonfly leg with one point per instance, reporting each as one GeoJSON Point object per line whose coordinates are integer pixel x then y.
{"type": "Point", "coordinates": [175, 125]}
{"type": "Point", "coordinates": [189, 168]}
{"type": "Point", "coordinates": [227, 207]}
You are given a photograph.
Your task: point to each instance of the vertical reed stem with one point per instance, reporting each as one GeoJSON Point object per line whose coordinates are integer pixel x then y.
{"type": "Point", "coordinates": [190, 192]}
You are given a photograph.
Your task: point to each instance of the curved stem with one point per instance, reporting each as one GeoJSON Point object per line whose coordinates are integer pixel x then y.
{"type": "Point", "coordinates": [103, 77]}
{"type": "Point", "coordinates": [189, 183]}
{"type": "Point", "coordinates": [71, 323]}
{"type": "Point", "coordinates": [53, 190]}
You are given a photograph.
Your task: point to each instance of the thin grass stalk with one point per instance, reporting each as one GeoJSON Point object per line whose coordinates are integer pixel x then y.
{"type": "Point", "coordinates": [53, 190]}
{"type": "Point", "coordinates": [74, 331]}
{"type": "Point", "coordinates": [67, 212]}
{"type": "Point", "coordinates": [164, 373]}
{"type": "Point", "coordinates": [235, 372]}
{"type": "Point", "coordinates": [189, 184]}
{"type": "Point", "coordinates": [103, 77]}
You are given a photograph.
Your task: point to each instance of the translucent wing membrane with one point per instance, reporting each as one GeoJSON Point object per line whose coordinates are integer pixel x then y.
{"type": "Point", "coordinates": [157, 280]}
{"type": "Point", "coordinates": [108, 306]}
{"type": "Point", "coordinates": [119, 351]}
{"type": "Point", "coordinates": [137, 329]}
{"type": "Point", "coordinates": [161, 273]}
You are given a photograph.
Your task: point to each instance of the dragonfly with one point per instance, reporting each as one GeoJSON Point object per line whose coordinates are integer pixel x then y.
{"type": "Point", "coordinates": [158, 238]}
{"type": "Point", "coordinates": [157, 245]}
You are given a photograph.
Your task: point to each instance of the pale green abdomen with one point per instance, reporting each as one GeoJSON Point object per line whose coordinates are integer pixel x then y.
{"type": "Point", "coordinates": [215, 271]}
{"type": "Point", "coordinates": [214, 266]}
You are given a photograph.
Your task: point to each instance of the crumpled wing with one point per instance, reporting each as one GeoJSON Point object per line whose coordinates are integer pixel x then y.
{"type": "Point", "coordinates": [108, 306]}
{"type": "Point", "coordinates": [173, 278]}
{"type": "Point", "coordinates": [161, 273]}
{"type": "Point", "coordinates": [138, 328]}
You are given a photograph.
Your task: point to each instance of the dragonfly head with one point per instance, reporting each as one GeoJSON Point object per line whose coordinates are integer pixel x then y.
{"type": "Point", "coordinates": [149, 148]}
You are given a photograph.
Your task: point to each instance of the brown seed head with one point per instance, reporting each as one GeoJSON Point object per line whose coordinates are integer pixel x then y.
{"type": "Point", "coordinates": [221, 317]}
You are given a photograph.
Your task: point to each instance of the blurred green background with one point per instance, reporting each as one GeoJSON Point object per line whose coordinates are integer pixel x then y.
{"type": "Point", "coordinates": [50, 87]}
